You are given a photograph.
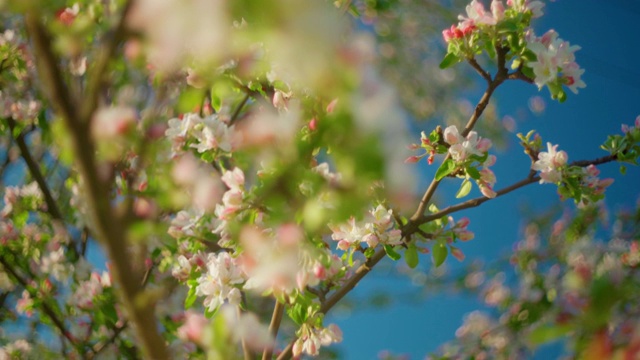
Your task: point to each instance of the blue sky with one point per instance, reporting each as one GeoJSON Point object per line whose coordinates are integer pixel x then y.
{"type": "Point", "coordinates": [608, 33]}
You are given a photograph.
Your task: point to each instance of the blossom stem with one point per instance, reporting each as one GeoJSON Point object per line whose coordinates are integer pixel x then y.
{"type": "Point", "coordinates": [276, 318]}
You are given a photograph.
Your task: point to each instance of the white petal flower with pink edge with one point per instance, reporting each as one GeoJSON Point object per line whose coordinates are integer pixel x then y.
{"type": "Point", "coordinates": [349, 234]}
{"type": "Point", "coordinates": [477, 14]}
{"type": "Point", "coordinates": [211, 134]}
{"type": "Point", "coordinates": [549, 164]}
{"type": "Point", "coordinates": [219, 282]}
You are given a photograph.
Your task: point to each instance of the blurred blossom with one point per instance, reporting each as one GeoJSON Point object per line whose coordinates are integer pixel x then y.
{"type": "Point", "coordinates": [247, 327]}
{"type": "Point", "coordinates": [178, 31]}
{"type": "Point", "coordinates": [509, 123]}
{"type": "Point", "coordinates": [474, 279]}
{"type": "Point", "coordinates": [271, 260]}
{"type": "Point", "coordinates": [537, 105]}
{"type": "Point", "coordinates": [194, 328]}
{"type": "Point", "coordinates": [269, 127]}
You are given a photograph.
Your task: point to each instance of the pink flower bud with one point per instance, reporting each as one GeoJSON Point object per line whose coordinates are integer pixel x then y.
{"type": "Point", "coordinates": [313, 124]}
{"type": "Point", "coordinates": [319, 271]}
{"type": "Point", "coordinates": [457, 253]}
{"type": "Point", "coordinates": [463, 223]}
{"type": "Point", "coordinates": [491, 160]}
{"type": "Point", "coordinates": [451, 135]}
{"type": "Point", "coordinates": [465, 235]}
{"type": "Point", "coordinates": [412, 159]}
{"type": "Point", "coordinates": [484, 145]}
{"type": "Point", "coordinates": [592, 170]}
{"type": "Point", "coordinates": [488, 192]}
{"type": "Point", "coordinates": [448, 34]}
{"type": "Point", "coordinates": [638, 122]}
{"type": "Point", "coordinates": [332, 106]}
{"type": "Point", "coordinates": [624, 128]}
{"type": "Point", "coordinates": [605, 182]}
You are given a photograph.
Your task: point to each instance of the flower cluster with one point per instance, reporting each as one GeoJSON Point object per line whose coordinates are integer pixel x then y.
{"type": "Point", "coordinates": [311, 338]}
{"type": "Point", "coordinates": [555, 63]}
{"type": "Point", "coordinates": [88, 290]}
{"type": "Point", "coordinates": [469, 152]}
{"type": "Point", "coordinates": [625, 147]}
{"type": "Point", "coordinates": [578, 183]}
{"type": "Point", "coordinates": [376, 229]}
{"type": "Point", "coordinates": [219, 282]}
{"type": "Point", "coordinates": [231, 202]}
{"type": "Point", "coordinates": [462, 148]}
{"type": "Point", "coordinates": [202, 134]}
{"type": "Point", "coordinates": [507, 33]}
{"type": "Point", "coordinates": [478, 16]}
{"type": "Point", "coordinates": [550, 163]}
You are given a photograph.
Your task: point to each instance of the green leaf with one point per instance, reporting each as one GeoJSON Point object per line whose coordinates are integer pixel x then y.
{"type": "Point", "coordinates": [190, 100]}
{"type": "Point", "coordinates": [473, 172]}
{"type": "Point", "coordinates": [439, 253]}
{"type": "Point", "coordinates": [411, 256]}
{"type": "Point", "coordinates": [464, 190]}
{"type": "Point", "coordinates": [623, 170]}
{"type": "Point", "coordinates": [191, 298]}
{"type": "Point", "coordinates": [392, 253]}
{"type": "Point", "coordinates": [449, 60]}
{"type": "Point", "coordinates": [445, 169]}
{"type": "Point", "coordinates": [549, 333]}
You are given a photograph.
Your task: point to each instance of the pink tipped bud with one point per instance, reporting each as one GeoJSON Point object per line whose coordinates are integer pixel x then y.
{"type": "Point", "coordinates": [605, 182]}
{"type": "Point", "coordinates": [412, 159]}
{"type": "Point", "coordinates": [332, 106]}
{"type": "Point", "coordinates": [638, 122]}
{"type": "Point", "coordinates": [592, 170]}
{"type": "Point", "coordinates": [447, 34]}
{"type": "Point", "coordinates": [488, 192]}
{"type": "Point", "coordinates": [463, 223]}
{"type": "Point", "coordinates": [465, 235]}
{"type": "Point", "coordinates": [423, 250]}
{"type": "Point", "coordinates": [457, 253]}
{"type": "Point", "coordinates": [484, 145]}
{"type": "Point", "coordinates": [491, 160]}
{"type": "Point", "coordinates": [313, 124]}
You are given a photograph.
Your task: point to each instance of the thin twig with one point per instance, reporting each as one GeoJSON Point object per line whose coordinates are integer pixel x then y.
{"type": "Point", "coordinates": [34, 169]}
{"type": "Point", "coordinates": [236, 113]}
{"type": "Point", "coordinates": [98, 74]}
{"type": "Point", "coordinates": [48, 311]}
